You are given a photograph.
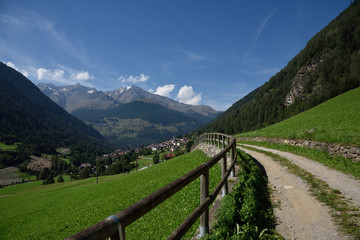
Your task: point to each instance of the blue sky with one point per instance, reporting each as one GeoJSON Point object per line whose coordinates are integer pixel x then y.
{"type": "Point", "coordinates": [194, 51]}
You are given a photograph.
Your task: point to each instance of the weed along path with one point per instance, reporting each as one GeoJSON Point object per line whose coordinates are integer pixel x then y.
{"type": "Point", "coordinates": [298, 214]}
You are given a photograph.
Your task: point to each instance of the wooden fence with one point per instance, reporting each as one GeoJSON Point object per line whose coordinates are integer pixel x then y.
{"type": "Point", "coordinates": [114, 226]}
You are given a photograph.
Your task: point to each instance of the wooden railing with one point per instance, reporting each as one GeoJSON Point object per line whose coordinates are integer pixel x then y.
{"type": "Point", "coordinates": [114, 226]}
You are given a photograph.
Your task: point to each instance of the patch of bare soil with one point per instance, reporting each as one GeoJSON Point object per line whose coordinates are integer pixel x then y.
{"type": "Point", "coordinates": [38, 163]}
{"type": "Point", "coordinates": [299, 215]}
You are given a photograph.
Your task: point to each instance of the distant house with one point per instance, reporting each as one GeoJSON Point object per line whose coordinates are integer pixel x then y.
{"type": "Point", "coordinates": [84, 165]}
{"type": "Point", "coordinates": [174, 148]}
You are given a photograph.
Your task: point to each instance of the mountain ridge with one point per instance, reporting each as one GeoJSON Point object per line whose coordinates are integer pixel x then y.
{"type": "Point", "coordinates": [73, 97]}
{"type": "Point", "coordinates": [30, 117]}
{"type": "Point", "coordinates": [129, 117]}
{"type": "Point", "coordinates": [138, 123]}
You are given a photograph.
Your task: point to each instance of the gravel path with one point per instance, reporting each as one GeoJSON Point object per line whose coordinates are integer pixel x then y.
{"type": "Point", "coordinates": [299, 215]}
{"type": "Point", "coordinates": [348, 185]}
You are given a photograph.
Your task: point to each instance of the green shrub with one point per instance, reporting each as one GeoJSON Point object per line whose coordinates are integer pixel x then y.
{"type": "Point", "coordinates": [85, 173]}
{"type": "Point", "coordinates": [246, 213]}
{"type": "Point", "coordinates": [156, 159]}
{"type": "Point", "coordinates": [48, 180]}
{"type": "Point", "coordinates": [60, 179]}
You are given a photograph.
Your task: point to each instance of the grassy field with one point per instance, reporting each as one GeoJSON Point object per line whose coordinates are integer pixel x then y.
{"type": "Point", "coordinates": [55, 211]}
{"type": "Point", "coordinates": [335, 121]}
{"type": "Point", "coordinates": [144, 161]}
{"type": "Point", "coordinates": [7, 147]}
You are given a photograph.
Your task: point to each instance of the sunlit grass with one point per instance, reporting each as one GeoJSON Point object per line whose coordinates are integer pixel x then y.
{"type": "Point", "coordinates": [55, 211]}
{"type": "Point", "coordinates": [7, 147]}
{"type": "Point", "coordinates": [335, 121]}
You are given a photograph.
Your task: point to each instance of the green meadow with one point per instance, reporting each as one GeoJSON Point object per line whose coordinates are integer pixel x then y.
{"type": "Point", "coordinates": [5, 147]}
{"type": "Point", "coordinates": [56, 211]}
{"type": "Point", "coordinates": [334, 121]}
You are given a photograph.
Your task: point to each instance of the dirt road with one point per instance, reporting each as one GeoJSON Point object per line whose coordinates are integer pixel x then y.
{"type": "Point", "coordinates": [299, 215]}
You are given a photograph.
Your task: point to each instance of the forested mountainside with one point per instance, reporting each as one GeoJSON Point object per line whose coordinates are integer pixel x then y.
{"type": "Point", "coordinates": [138, 123]}
{"type": "Point", "coordinates": [29, 117]}
{"type": "Point", "coordinates": [328, 66]}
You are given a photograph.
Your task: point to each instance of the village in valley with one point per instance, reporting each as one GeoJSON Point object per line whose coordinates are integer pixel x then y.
{"type": "Point", "coordinates": [140, 158]}
{"type": "Point", "coordinates": [170, 146]}
{"type": "Point", "coordinates": [119, 161]}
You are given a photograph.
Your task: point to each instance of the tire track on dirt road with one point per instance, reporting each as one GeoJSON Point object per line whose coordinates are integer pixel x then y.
{"type": "Point", "coordinates": [299, 215]}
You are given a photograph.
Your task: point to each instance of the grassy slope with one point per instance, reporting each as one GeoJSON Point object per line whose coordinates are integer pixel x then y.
{"type": "Point", "coordinates": [336, 121]}
{"type": "Point", "coordinates": [7, 147]}
{"type": "Point", "coordinates": [58, 210]}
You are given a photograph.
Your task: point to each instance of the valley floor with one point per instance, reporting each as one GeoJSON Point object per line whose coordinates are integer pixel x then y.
{"type": "Point", "coordinates": [299, 214]}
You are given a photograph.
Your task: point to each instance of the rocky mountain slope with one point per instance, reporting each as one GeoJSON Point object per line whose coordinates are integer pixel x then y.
{"type": "Point", "coordinates": [328, 66]}
{"type": "Point", "coordinates": [129, 116]}
{"type": "Point", "coordinates": [138, 123]}
{"type": "Point", "coordinates": [129, 94]}
{"type": "Point", "coordinates": [76, 96]}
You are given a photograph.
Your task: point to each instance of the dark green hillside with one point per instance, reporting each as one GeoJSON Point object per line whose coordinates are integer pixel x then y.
{"type": "Point", "coordinates": [138, 123]}
{"type": "Point", "coordinates": [328, 66]}
{"type": "Point", "coordinates": [29, 117]}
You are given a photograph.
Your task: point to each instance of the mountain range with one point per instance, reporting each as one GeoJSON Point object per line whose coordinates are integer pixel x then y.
{"type": "Point", "coordinates": [73, 97]}
{"type": "Point", "coordinates": [129, 116]}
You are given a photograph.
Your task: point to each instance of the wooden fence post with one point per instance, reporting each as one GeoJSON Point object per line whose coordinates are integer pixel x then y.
{"type": "Point", "coordinates": [233, 158]}
{"type": "Point", "coordinates": [204, 193]}
{"type": "Point", "coordinates": [120, 234]}
{"type": "Point", "coordinates": [108, 229]}
{"type": "Point", "coordinates": [223, 172]}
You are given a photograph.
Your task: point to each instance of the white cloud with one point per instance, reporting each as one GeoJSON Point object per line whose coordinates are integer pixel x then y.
{"type": "Point", "coordinates": [53, 75]}
{"type": "Point", "coordinates": [12, 65]}
{"type": "Point", "coordinates": [187, 95]}
{"type": "Point", "coordinates": [134, 79]}
{"type": "Point", "coordinates": [81, 76]}
{"type": "Point", "coordinates": [165, 90]}
{"type": "Point", "coordinates": [62, 76]}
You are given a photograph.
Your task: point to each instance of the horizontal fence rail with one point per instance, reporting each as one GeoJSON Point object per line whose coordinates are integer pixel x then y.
{"type": "Point", "coordinates": [114, 226]}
